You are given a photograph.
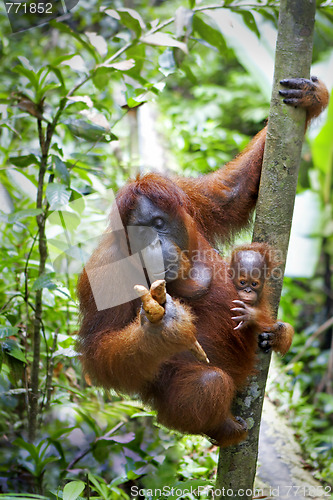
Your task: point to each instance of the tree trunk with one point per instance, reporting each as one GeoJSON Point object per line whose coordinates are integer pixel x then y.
{"type": "Point", "coordinates": [286, 125]}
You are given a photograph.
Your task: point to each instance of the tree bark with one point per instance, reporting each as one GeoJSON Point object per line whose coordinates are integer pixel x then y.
{"type": "Point", "coordinates": [286, 125]}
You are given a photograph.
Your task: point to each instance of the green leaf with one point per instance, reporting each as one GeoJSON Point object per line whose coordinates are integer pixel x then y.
{"type": "Point", "coordinates": [129, 18]}
{"type": "Point", "coordinates": [57, 195]}
{"type": "Point", "coordinates": [138, 53]}
{"type": "Point", "coordinates": [73, 489]}
{"type": "Point", "coordinates": [24, 496]}
{"type": "Point", "coordinates": [249, 20]}
{"type": "Point", "coordinates": [112, 13]}
{"type": "Point", "coordinates": [123, 439]}
{"type": "Point", "coordinates": [67, 352]}
{"type": "Point", "coordinates": [322, 151]}
{"type": "Point", "coordinates": [101, 77]}
{"type": "Point", "coordinates": [271, 15]}
{"type": "Point", "coordinates": [44, 281]}
{"type": "Point", "coordinates": [26, 64]}
{"type": "Point", "coordinates": [88, 131]}
{"type": "Point", "coordinates": [42, 91]}
{"type": "Point", "coordinates": [183, 21]}
{"type": "Point", "coordinates": [11, 128]}
{"type": "Point", "coordinates": [31, 75]}
{"type": "Point", "coordinates": [132, 20]}
{"type": "Point", "coordinates": [58, 74]}
{"type": "Point", "coordinates": [131, 475]}
{"type": "Point", "coordinates": [29, 447]}
{"type": "Point", "coordinates": [208, 33]}
{"type": "Point", "coordinates": [58, 60]}
{"type": "Point", "coordinates": [23, 214]}
{"type": "Point", "coordinates": [57, 433]}
{"type": "Point", "coordinates": [61, 170]}
{"type": "Point", "coordinates": [257, 64]}
{"type": "Point", "coordinates": [7, 331]}
{"type": "Point", "coordinates": [134, 14]}
{"type": "Point", "coordinates": [190, 75]}
{"type": "Point", "coordinates": [24, 160]}
{"type": "Point", "coordinates": [77, 63]}
{"type": "Point", "coordinates": [191, 3]}
{"type": "Point", "coordinates": [11, 348]}
{"type": "Point", "coordinates": [98, 42]}
{"type": "Point", "coordinates": [69, 221]}
{"type": "Point", "coordinates": [164, 40]}
{"type": "Point", "coordinates": [133, 103]}
{"type": "Point", "coordinates": [66, 29]}
{"type": "Point", "coordinates": [121, 66]}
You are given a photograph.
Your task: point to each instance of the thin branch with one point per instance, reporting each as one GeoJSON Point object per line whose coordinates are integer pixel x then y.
{"type": "Point", "coordinates": [9, 301]}
{"type": "Point", "coordinates": [92, 446]}
{"type": "Point", "coordinates": [48, 384]}
{"type": "Point", "coordinates": [45, 139]}
{"type": "Point", "coordinates": [26, 290]}
{"type": "Point", "coordinates": [325, 326]}
{"type": "Point", "coordinates": [42, 248]}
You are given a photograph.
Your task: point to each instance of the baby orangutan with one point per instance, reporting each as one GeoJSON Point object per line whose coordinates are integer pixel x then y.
{"type": "Point", "coordinates": [250, 267]}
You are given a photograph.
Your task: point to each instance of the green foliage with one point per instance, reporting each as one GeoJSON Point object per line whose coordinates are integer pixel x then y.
{"type": "Point", "coordinates": [26, 496]}
{"type": "Point", "coordinates": [322, 154]}
{"type": "Point", "coordinates": [62, 120]}
{"type": "Point", "coordinates": [310, 413]}
{"type": "Point", "coordinates": [306, 400]}
{"type": "Point", "coordinates": [67, 90]}
{"type": "Point", "coordinates": [73, 490]}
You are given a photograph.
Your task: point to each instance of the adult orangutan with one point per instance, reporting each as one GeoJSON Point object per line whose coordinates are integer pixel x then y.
{"type": "Point", "coordinates": [123, 348]}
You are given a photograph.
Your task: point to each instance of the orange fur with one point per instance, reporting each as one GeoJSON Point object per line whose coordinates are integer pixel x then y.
{"type": "Point", "coordinates": [118, 349]}
{"type": "Point", "coordinates": [262, 314]}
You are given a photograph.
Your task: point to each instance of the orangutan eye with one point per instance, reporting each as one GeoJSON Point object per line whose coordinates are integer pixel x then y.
{"type": "Point", "coordinates": [254, 284]}
{"type": "Point", "coordinates": [242, 282]}
{"type": "Point", "coordinates": [158, 223]}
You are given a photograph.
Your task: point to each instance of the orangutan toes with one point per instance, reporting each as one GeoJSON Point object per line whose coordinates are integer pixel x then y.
{"type": "Point", "coordinates": [232, 431]}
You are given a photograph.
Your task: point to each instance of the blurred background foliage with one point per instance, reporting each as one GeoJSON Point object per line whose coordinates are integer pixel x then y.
{"type": "Point", "coordinates": [103, 93]}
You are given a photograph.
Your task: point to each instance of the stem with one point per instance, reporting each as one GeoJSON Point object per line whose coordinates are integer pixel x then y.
{"type": "Point", "coordinates": [4, 307]}
{"type": "Point", "coordinates": [44, 142]}
{"type": "Point", "coordinates": [93, 445]}
{"type": "Point", "coordinates": [42, 249]}
{"type": "Point", "coordinates": [26, 271]}
{"type": "Point", "coordinates": [49, 375]}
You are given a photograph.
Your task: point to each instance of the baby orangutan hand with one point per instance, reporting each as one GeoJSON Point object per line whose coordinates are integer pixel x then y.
{"type": "Point", "coordinates": [245, 314]}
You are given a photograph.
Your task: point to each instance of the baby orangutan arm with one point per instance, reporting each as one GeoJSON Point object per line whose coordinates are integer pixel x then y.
{"type": "Point", "coordinates": [278, 337]}
{"type": "Point", "coordinates": [250, 267]}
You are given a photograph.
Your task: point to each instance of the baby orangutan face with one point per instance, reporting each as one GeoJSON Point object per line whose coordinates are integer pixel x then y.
{"type": "Point", "coordinates": [248, 274]}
